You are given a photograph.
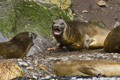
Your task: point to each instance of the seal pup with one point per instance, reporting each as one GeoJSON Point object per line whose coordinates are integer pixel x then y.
{"type": "Point", "coordinates": [86, 67]}
{"type": "Point", "coordinates": [18, 46]}
{"type": "Point", "coordinates": [78, 35]}
{"type": "Point", "coordinates": [112, 41]}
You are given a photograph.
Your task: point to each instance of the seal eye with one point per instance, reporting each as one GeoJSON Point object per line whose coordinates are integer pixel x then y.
{"type": "Point", "coordinates": [61, 23]}
{"type": "Point", "coordinates": [53, 22]}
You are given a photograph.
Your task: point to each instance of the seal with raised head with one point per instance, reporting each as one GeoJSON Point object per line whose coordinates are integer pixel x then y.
{"type": "Point", "coordinates": [78, 35]}
{"type": "Point", "coordinates": [112, 41]}
{"type": "Point", "coordinates": [18, 46]}
{"type": "Point", "coordinates": [86, 67]}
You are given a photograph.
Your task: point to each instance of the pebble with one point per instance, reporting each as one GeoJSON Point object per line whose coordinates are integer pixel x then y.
{"type": "Point", "coordinates": [28, 61]}
{"type": "Point", "coordinates": [23, 64]}
{"type": "Point", "coordinates": [19, 60]}
{"type": "Point", "coordinates": [102, 3]}
{"type": "Point", "coordinates": [85, 11]}
{"type": "Point", "coordinates": [115, 56]}
{"type": "Point", "coordinates": [30, 67]}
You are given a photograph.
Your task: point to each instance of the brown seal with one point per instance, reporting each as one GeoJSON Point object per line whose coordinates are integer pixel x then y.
{"type": "Point", "coordinates": [112, 41]}
{"type": "Point", "coordinates": [78, 35]}
{"type": "Point", "coordinates": [18, 46]}
{"type": "Point", "coordinates": [86, 67]}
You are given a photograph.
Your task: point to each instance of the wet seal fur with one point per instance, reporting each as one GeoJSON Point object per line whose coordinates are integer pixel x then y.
{"type": "Point", "coordinates": [18, 46]}
{"type": "Point", "coordinates": [86, 67]}
{"type": "Point", "coordinates": [78, 35]}
{"type": "Point", "coordinates": [112, 41]}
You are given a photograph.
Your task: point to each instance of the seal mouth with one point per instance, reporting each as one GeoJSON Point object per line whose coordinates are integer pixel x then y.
{"type": "Point", "coordinates": [57, 31]}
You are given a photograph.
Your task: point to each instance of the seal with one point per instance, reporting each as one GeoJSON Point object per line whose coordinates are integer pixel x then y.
{"type": "Point", "coordinates": [78, 35]}
{"type": "Point", "coordinates": [112, 41]}
{"type": "Point", "coordinates": [86, 67]}
{"type": "Point", "coordinates": [18, 46]}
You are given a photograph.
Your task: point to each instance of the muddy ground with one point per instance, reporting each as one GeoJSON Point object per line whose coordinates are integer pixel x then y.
{"type": "Point", "coordinates": [109, 12]}
{"type": "Point", "coordinates": [40, 64]}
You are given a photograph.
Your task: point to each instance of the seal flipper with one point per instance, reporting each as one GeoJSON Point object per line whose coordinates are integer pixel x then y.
{"type": "Point", "coordinates": [90, 71]}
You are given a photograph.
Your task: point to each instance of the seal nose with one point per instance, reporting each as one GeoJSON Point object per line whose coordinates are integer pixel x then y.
{"type": "Point", "coordinates": [32, 35]}
{"type": "Point", "coordinates": [56, 25]}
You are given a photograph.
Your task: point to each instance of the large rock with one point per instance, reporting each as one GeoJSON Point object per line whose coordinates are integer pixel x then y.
{"type": "Point", "coordinates": [28, 15]}
{"type": "Point", "coordinates": [9, 70]}
{"type": "Point", "coordinates": [63, 4]}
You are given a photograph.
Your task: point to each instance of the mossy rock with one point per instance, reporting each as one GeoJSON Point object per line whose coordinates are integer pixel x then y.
{"type": "Point", "coordinates": [63, 4]}
{"type": "Point", "coordinates": [27, 15]}
{"type": "Point", "coordinates": [9, 70]}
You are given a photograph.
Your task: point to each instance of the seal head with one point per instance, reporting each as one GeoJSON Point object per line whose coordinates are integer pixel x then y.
{"type": "Point", "coordinates": [58, 27]}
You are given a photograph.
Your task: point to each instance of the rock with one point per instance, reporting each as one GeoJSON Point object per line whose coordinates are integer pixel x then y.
{"type": "Point", "coordinates": [19, 60]}
{"type": "Point", "coordinates": [30, 67]}
{"type": "Point", "coordinates": [102, 3]}
{"type": "Point", "coordinates": [14, 18]}
{"type": "Point", "coordinates": [2, 39]}
{"type": "Point", "coordinates": [24, 64]}
{"type": "Point", "coordinates": [9, 70]}
{"type": "Point", "coordinates": [85, 11]}
{"type": "Point", "coordinates": [63, 4]}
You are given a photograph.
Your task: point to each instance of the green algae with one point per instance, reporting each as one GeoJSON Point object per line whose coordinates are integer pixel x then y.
{"type": "Point", "coordinates": [27, 15]}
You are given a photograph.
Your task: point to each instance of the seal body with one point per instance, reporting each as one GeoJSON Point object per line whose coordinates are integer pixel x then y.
{"type": "Point", "coordinates": [85, 68]}
{"type": "Point", "coordinates": [78, 35]}
{"type": "Point", "coordinates": [18, 46]}
{"type": "Point", "coordinates": [112, 41]}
